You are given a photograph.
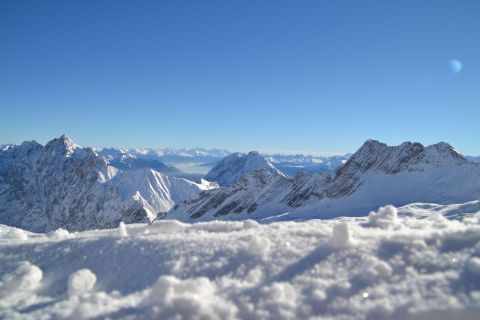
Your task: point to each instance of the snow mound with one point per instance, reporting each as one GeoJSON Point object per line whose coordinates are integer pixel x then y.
{"type": "Point", "coordinates": [18, 287]}
{"type": "Point", "coordinates": [385, 217]}
{"type": "Point", "coordinates": [122, 230]}
{"type": "Point", "coordinates": [60, 234]}
{"type": "Point", "coordinates": [196, 298]}
{"type": "Point", "coordinates": [341, 236]}
{"type": "Point", "coordinates": [250, 224]}
{"type": "Point", "coordinates": [81, 281]}
{"type": "Point", "coordinates": [26, 277]}
{"type": "Point", "coordinates": [16, 234]}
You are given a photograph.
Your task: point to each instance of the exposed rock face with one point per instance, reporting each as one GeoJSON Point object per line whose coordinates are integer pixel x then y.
{"type": "Point", "coordinates": [61, 184]}
{"type": "Point", "coordinates": [253, 189]}
{"type": "Point", "coordinates": [377, 158]}
{"type": "Point", "coordinates": [305, 187]}
{"type": "Point", "coordinates": [375, 175]}
{"type": "Point", "coordinates": [229, 171]}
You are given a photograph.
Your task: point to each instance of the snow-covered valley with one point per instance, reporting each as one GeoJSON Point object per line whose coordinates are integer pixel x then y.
{"type": "Point", "coordinates": [421, 261]}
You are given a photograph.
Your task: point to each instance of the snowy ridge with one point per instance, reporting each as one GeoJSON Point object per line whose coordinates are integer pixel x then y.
{"type": "Point", "coordinates": [416, 262]}
{"type": "Point", "coordinates": [64, 185]}
{"type": "Point", "coordinates": [375, 175]}
{"type": "Point", "coordinates": [157, 192]}
{"type": "Point", "coordinates": [229, 171]}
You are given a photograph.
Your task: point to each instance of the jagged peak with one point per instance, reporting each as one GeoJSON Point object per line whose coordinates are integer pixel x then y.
{"type": "Point", "coordinates": [445, 148]}
{"type": "Point", "coordinates": [229, 170]}
{"type": "Point", "coordinates": [440, 147]}
{"type": "Point", "coordinates": [29, 144]}
{"type": "Point", "coordinates": [65, 146]}
{"type": "Point", "coordinates": [253, 154]}
{"type": "Point", "coordinates": [378, 156]}
{"type": "Point", "coordinates": [63, 140]}
{"type": "Point", "coordinates": [372, 142]}
{"type": "Point", "coordinates": [371, 146]}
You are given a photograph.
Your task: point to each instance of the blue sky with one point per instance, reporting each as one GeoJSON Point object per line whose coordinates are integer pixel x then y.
{"type": "Point", "coordinates": [317, 76]}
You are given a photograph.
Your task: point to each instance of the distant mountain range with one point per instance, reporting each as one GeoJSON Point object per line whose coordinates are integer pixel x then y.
{"type": "Point", "coordinates": [195, 163]}
{"type": "Point", "coordinates": [168, 155]}
{"type": "Point", "coordinates": [125, 160]}
{"type": "Point", "coordinates": [64, 185]}
{"type": "Point", "coordinates": [474, 159]}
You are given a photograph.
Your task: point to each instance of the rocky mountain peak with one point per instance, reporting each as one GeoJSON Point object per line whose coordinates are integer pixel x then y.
{"type": "Point", "coordinates": [229, 171]}
{"type": "Point", "coordinates": [445, 149]}
{"type": "Point", "coordinates": [64, 146]}
{"type": "Point", "coordinates": [376, 156]}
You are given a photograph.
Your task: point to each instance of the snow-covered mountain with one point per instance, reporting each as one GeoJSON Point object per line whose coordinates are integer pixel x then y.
{"type": "Point", "coordinates": [374, 176]}
{"type": "Point", "coordinates": [64, 185]}
{"type": "Point", "coordinates": [228, 171]}
{"type": "Point", "coordinates": [124, 160]}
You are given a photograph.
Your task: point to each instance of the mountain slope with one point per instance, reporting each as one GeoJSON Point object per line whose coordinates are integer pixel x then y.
{"type": "Point", "coordinates": [229, 171]}
{"type": "Point", "coordinates": [375, 175]}
{"type": "Point", "coordinates": [64, 185]}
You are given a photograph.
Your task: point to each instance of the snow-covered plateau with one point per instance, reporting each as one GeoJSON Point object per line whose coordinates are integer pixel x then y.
{"type": "Point", "coordinates": [420, 261]}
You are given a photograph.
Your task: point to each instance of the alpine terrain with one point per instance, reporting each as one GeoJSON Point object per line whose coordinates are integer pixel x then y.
{"type": "Point", "coordinates": [61, 184]}
{"type": "Point", "coordinates": [374, 176]}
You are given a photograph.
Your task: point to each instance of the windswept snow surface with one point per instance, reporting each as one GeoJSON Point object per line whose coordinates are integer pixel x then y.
{"type": "Point", "coordinates": [421, 261]}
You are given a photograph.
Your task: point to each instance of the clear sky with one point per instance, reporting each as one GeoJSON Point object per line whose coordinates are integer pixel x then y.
{"type": "Point", "coordinates": [318, 76]}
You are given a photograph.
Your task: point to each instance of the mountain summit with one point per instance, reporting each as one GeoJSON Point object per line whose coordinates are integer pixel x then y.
{"type": "Point", "coordinates": [229, 171]}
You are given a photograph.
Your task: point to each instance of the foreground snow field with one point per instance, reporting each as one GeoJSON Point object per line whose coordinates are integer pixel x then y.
{"type": "Point", "coordinates": [421, 261]}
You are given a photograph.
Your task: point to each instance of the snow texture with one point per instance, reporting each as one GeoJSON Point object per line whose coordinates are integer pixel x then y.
{"type": "Point", "coordinates": [421, 261]}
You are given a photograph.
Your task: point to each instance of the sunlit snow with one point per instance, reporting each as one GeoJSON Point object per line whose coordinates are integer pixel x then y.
{"type": "Point", "coordinates": [420, 262]}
